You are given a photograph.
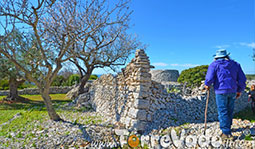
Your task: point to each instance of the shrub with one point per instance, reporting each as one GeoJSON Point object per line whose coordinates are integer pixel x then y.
{"type": "Point", "coordinates": [250, 76]}
{"type": "Point", "coordinates": [22, 86]}
{"type": "Point", "coordinates": [4, 84]}
{"type": "Point", "coordinates": [27, 84]}
{"type": "Point", "coordinates": [193, 76]}
{"type": "Point", "coordinates": [75, 78]}
{"type": "Point", "coordinates": [93, 77]}
{"type": "Point", "coordinates": [59, 81]}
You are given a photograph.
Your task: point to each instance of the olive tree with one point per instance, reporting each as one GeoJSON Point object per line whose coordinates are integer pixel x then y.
{"type": "Point", "coordinates": [8, 69]}
{"type": "Point", "coordinates": [90, 34]}
{"type": "Point", "coordinates": [107, 44]}
{"type": "Point", "coordinates": [42, 61]}
{"type": "Point", "coordinates": [10, 72]}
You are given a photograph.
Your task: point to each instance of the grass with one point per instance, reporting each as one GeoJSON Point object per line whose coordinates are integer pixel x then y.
{"type": "Point", "coordinates": [35, 102]}
{"type": "Point", "coordinates": [246, 114]}
{"type": "Point", "coordinates": [1, 97]}
{"type": "Point", "coordinates": [23, 122]}
{"type": "Point", "coordinates": [39, 97]}
{"type": "Point", "coordinates": [34, 111]}
{"type": "Point", "coordinates": [29, 111]}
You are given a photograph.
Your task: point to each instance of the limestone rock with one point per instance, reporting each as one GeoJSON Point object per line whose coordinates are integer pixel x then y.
{"type": "Point", "coordinates": [164, 75]}
{"type": "Point", "coordinates": [73, 93]}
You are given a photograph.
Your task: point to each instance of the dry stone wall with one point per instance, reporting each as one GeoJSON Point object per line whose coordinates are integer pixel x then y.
{"type": "Point", "coordinates": [35, 91]}
{"type": "Point", "coordinates": [132, 100]}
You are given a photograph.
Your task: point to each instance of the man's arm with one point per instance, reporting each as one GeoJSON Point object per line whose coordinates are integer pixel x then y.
{"type": "Point", "coordinates": [241, 79]}
{"type": "Point", "coordinates": [210, 76]}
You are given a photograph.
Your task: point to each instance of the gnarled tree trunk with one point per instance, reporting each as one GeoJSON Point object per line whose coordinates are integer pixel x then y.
{"type": "Point", "coordinates": [48, 103]}
{"type": "Point", "coordinates": [13, 87]}
{"type": "Point", "coordinates": [84, 80]}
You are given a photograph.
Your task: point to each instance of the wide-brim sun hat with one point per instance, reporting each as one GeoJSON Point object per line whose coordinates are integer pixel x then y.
{"type": "Point", "coordinates": [221, 53]}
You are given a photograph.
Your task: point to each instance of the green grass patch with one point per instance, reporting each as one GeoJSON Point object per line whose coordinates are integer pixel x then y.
{"type": "Point", "coordinates": [33, 111]}
{"type": "Point", "coordinates": [246, 114]}
{"type": "Point", "coordinates": [39, 97]}
{"type": "Point", "coordinates": [248, 137]}
{"type": "Point", "coordinates": [23, 122]}
{"type": "Point", "coordinates": [5, 115]}
{"type": "Point", "coordinates": [35, 103]}
{"type": "Point", "coordinates": [1, 97]}
{"type": "Point", "coordinates": [30, 113]}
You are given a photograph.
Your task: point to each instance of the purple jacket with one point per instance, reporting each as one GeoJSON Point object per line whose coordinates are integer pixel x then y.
{"type": "Point", "coordinates": [227, 76]}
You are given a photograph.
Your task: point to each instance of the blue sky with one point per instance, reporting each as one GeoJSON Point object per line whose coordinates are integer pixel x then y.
{"type": "Point", "coordinates": [185, 33]}
{"type": "Point", "coordinates": [181, 34]}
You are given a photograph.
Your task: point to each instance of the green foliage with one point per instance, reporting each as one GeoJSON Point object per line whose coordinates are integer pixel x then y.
{"type": "Point", "coordinates": [250, 76]}
{"type": "Point", "coordinates": [59, 81]}
{"type": "Point", "coordinates": [4, 84]}
{"type": "Point", "coordinates": [26, 85]}
{"type": "Point", "coordinates": [248, 137]}
{"type": "Point", "coordinates": [246, 114]}
{"type": "Point", "coordinates": [75, 78]}
{"type": "Point", "coordinates": [22, 86]}
{"type": "Point", "coordinates": [93, 77]}
{"type": "Point", "coordinates": [173, 90]}
{"type": "Point", "coordinates": [2, 97]}
{"type": "Point", "coordinates": [71, 80]}
{"type": "Point", "coordinates": [247, 88]}
{"type": "Point", "coordinates": [7, 68]}
{"type": "Point", "coordinates": [193, 76]}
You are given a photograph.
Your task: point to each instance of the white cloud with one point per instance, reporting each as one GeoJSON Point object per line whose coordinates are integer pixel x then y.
{"type": "Point", "coordinates": [251, 45]}
{"type": "Point", "coordinates": [222, 46]}
{"type": "Point", "coordinates": [184, 65]}
{"type": "Point", "coordinates": [160, 64]}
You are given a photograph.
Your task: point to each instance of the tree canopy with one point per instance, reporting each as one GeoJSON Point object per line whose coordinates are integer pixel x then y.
{"type": "Point", "coordinates": [193, 77]}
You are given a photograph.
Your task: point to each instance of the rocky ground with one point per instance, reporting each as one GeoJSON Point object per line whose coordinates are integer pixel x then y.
{"type": "Point", "coordinates": [89, 130]}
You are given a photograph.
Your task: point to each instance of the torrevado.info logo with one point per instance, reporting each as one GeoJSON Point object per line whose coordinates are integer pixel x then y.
{"type": "Point", "coordinates": [179, 141]}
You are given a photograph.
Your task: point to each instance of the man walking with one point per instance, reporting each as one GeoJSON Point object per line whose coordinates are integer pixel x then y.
{"type": "Point", "coordinates": [228, 80]}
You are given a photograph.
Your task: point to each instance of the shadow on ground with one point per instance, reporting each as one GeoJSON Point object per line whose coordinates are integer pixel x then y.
{"type": "Point", "coordinates": [35, 105]}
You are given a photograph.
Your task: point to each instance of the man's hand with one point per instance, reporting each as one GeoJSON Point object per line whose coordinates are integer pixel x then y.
{"type": "Point", "coordinates": [207, 87]}
{"type": "Point", "coordinates": [238, 94]}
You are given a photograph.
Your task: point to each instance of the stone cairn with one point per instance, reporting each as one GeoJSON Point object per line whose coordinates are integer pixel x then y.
{"type": "Point", "coordinates": [132, 100]}
{"type": "Point", "coordinates": [124, 98]}
{"type": "Point", "coordinates": [139, 82]}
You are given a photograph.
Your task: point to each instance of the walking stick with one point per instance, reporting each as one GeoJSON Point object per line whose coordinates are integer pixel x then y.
{"type": "Point", "coordinates": [206, 106]}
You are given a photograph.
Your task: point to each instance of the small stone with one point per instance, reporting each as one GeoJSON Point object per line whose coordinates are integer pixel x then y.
{"type": "Point", "coordinates": [141, 115]}
{"type": "Point", "coordinates": [142, 103]}
{"type": "Point", "coordinates": [149, 117]}
{"type": "Point", "coordinates": [120, 132]}
{"type": "Point", "coordinates": [133, 113]}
